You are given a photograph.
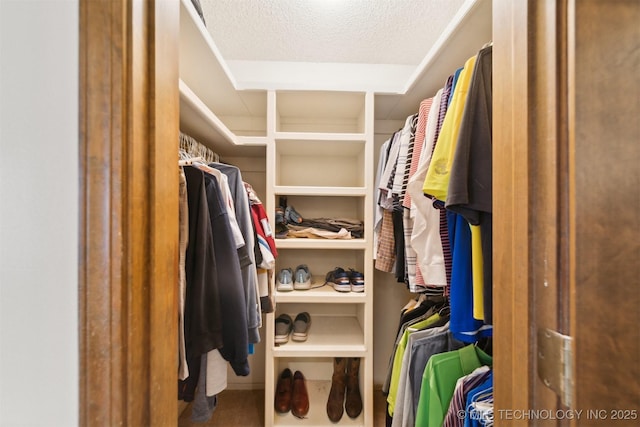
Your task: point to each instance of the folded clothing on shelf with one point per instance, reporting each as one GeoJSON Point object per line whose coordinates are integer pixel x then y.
{"type": "Point", "coordinates": [290, 223]}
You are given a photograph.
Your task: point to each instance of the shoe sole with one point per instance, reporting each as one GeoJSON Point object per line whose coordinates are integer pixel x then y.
{"type": "Point", "coordinates": [342, 288]}
{"type": "Point", "coordinates": [284, 288]}
{"type": "Point", "coordinates": [355, 288]}
{"type": "Point", "coordinates": [281, 339]}
{"type": "Point", "coordinates": [302, 286]}
{"type": "Point", "coordinates": [299, 336]}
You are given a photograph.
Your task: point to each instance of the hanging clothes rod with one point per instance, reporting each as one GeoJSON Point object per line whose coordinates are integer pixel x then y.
{"type": "Point", "coordinates": [193, 148]}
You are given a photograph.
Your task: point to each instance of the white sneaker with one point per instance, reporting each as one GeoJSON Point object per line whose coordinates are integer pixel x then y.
{"type": "Point", "coordinates": [285, 280]}
{"type": "Point", "coordinates": [302, 278]}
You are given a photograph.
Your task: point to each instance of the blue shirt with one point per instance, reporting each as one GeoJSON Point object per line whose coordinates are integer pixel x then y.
{"type": "Point", "coordinates": [486, 389]}
{"type": "Point", "coordinates": [462, 324]}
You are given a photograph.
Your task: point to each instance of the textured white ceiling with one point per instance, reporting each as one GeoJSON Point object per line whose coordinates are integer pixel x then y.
{"type": "Point", "coordinates": [332, 31]}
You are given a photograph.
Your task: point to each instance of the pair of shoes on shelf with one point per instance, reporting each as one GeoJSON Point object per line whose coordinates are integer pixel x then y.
{"type": "Point", "coordinates": [298, 329]}
{"type": "Point", "coordinates": [285, 215]}
{"type": "Point", "coordinates": [345, 281]}
{"type": "Point", "coordinates": [288, 280]}
{"type": "Point", "coordinates": [345, 389]}
{"type": "Point", "coordinates": [291, 394]}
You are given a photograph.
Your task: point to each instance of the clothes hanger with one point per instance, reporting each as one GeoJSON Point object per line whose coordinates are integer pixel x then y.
{"type": "Point", "coordinates": [194, 148]}
{"type": "Point", "coordinates": [485, 396]}
{"type": "Point", "coordinates": [445, 310]}
{"type": "Point", "coordinates": [190, 161]}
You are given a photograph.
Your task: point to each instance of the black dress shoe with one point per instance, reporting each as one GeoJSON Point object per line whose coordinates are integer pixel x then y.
{"type": "Point", "coordinates": [284, 391]}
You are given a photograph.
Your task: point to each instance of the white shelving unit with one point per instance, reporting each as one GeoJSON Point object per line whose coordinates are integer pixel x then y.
{"type": "Point", "coordinates": [321, 154]}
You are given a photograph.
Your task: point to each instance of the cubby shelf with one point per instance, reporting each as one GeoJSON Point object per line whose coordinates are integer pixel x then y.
{"type": "Point", "coordinates": [292, 190]}
{"type": "Point", "coordinates": [325, 293]}
{"type": "Point", "coordinates": [304, 243]}
{"type": "Point", "coordinates": [318, 394]}
{"type": "Point", "coordinates": [329, 336]}
{"type": "Point", "coordinates": [316, 136]}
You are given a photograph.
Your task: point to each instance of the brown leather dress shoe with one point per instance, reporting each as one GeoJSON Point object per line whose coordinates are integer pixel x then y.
{"type": "Point", "coordinates": [284, 391]}
{"type": "Point", "coordinates": [300, 398]}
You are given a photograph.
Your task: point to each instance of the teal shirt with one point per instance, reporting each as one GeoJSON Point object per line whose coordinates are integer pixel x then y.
{"type": "Point", "coordinates": [439, 382]}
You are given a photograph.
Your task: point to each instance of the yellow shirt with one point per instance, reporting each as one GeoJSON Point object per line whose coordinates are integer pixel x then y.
{"type": "Point", "coordinates": [436, 182]}
{"type": "Point", "coordinates": [477, 272]}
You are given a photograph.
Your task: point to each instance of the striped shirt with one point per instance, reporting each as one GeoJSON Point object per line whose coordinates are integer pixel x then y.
{"type": "Point", "coordinates": [458, 401]}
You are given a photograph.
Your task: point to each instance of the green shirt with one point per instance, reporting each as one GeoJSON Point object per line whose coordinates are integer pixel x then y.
{"type": "Point", "coordinates": [439, 382]}
{"type": "Point", "coordinates": [399, 354]}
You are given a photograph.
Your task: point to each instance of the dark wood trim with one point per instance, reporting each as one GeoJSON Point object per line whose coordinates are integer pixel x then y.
{"type": "Point", "coordinates": [101, 231]}
{"type": "Point", "coordinates": [548, 169]}
{"type": "Point", "coordinates": [511, 200]}
{"type": "Point", "coordinates": [129, 212]}
{"type": "Point", "coordinates": [163, 155]}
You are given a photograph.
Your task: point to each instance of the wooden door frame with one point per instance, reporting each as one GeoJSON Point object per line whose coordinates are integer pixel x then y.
{"type": "Point", "coordinates": [513, 361]}
{"type": "Point", "coordinates": [129, 110]}
{"type": "Point", "coordinates": [531, 196]}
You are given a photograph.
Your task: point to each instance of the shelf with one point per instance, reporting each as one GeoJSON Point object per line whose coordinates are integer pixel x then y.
{"type": "Point", "coordinates": [319, 137]}
{"type": "Point", "coordinates": [292, 190]}
{"type": "Point", "coordinates": [324, 294]}
{"type": "Point", "coordinates": [248, 141]}
{"type": "Point", "coordinates": [204, 70]}
{"type": "Point", "coordinates": [319, 146]}
{"type": "Point", "coordinates": [320, 163]}
{"type": "Point", "coordinates": [320, 112]}
{"type": "Point", "coordinates": [329, 336]}
{"type": "Point", "coordinates": [318, 394]}
{"type": "Point", "coordinates": [302, 243]}
{"type": "Point", "coordinates": [198, 121]}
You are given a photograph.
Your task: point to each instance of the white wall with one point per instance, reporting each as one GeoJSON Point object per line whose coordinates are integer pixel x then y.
{"type": "Point", "coordinates": [38, 213]}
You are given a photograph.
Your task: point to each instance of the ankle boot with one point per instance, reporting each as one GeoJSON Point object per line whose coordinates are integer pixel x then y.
{"type": "Point", "coordinates": [353, 404]}
{"type": "Point", "coordinates": [335, 403]}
